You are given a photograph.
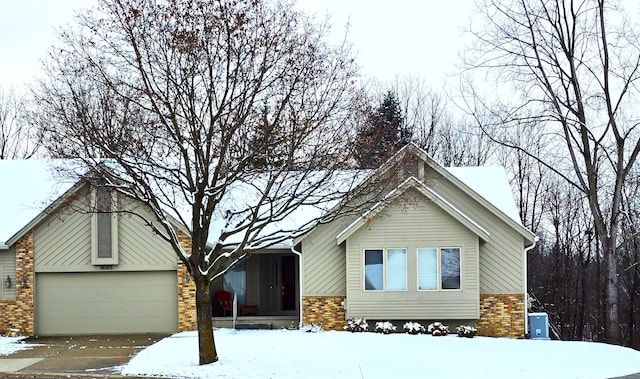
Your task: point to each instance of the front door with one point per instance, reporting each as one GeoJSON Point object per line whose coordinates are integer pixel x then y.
{"type": "Point", "coordinates": [278, 284]}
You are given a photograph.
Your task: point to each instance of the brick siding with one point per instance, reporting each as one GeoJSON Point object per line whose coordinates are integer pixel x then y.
{"type": "Point", "coordinates": [19, 313]}
{"type": "Point", "coordinates": [501, 315]}
{"type": "Point", "coordinates": [325, 311]}
{"type": "Point", "coordinates": [186, 291]}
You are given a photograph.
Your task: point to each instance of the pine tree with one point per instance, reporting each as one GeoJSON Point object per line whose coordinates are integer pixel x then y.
{"type": "Point", "coordinates": [382, 134]}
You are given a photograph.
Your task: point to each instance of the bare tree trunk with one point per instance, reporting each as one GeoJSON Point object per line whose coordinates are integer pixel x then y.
{"type": "Point", "coordinates": [207, 347]}
{"type": "Point", "coordinates": [613, 329]}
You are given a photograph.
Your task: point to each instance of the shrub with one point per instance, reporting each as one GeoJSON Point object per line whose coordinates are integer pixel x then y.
{"type": "Point", "coordinates": [357, 325]}
{"type": "Point", "coordinates": [437, 329]}
{"type": "Point", "coordinates": [311, 328]}
{"type": "Point", "coordinates": [412, 327]}
{"type": "Point", "coordinates": [385, 327]}
{"type": "Point", "coordinates": [466, 331]}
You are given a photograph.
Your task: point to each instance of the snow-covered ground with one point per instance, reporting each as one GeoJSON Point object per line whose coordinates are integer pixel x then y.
{"type": "Point", "coordinates": [9, 345]}
{"type": "Point", "coordinates": [295, 354]}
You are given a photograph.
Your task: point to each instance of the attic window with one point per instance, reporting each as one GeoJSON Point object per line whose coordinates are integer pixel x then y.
{"type": "Point", "coordinates": [104, 227]}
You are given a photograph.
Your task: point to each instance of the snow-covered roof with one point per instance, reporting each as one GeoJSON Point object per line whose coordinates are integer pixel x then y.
{"type": "Point", "coordinates": [492, 183]}
{"type": "Point", "coordinates": [28, 187]}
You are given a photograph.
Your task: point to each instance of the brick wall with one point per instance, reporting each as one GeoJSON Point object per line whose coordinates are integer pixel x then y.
{"type": "Point", "coordinates": [501, 315]}
{"type": "Point", "coordinates": [186, 291]}
{"type": "Point", "coordinates": [19, 313]}
{"type": "Point", "coordinates": [326, 311]}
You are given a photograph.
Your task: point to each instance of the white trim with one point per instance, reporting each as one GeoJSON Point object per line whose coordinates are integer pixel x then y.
{"type": "Point", "coordinates": [385, 252]}
{"type": "Point", "coordinates": [439, 269]}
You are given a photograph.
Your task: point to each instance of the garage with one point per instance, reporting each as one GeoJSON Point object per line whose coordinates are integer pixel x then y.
{"type": "Point", "coordinates": [106, 302]}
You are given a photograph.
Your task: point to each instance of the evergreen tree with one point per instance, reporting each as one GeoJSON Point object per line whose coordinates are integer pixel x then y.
{"type": "Point", "coordinates": [382, 134]}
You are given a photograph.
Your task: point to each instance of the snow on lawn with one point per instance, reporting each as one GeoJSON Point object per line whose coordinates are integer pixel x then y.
{"type": "Point", "coordinates": [9, 345]}
{"type": "Point", "coordinates": [295, 354]}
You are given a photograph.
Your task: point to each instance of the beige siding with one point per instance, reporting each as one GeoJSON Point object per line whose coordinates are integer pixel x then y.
{"type": "Point", "coordinates": [501, 258]}
{"type": "Point", "coordinates": [412, 222]}
{"type": "Point", "coordinates": [62, 242]}
{"type": "Point", "coordinates": [8, 267]}
{"type": "Point", "coordinates": [323, 262]}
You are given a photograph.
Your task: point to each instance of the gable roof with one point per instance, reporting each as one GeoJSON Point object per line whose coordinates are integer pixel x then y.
{"type": "Point", "coordinates": [414, 183]}
{"type": "Point", "coordinates": [32, 186]}
{"type": "Point", "coordinates": [488, 185]}
{"type": "Point", "coordinates": [29, 187]}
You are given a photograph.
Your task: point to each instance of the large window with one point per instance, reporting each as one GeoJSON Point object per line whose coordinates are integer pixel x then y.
{"type": "Point", "coordinates": [385, 270]}
{"type": "Point", "coordinates": [439, 269]}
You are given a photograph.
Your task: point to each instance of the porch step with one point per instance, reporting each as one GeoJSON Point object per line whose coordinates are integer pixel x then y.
{"type": "Point", "coordinates": [254, 325]}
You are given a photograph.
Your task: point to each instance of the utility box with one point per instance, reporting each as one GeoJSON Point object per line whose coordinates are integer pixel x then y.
{"type": "Point", "coordinates": [538, 326]}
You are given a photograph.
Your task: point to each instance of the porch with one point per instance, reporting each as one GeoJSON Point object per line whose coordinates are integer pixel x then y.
{"type": "Point", "coordinates": [268, 285]}
{"type": "Point", "coordinates": [257, 322]}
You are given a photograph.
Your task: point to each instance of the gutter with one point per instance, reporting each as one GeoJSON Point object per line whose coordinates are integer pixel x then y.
{"type": "Point", "coordinates": [526, 289]}
{"type": "Point", "coordinates": [300, 279]}
{"type": "Point", "coordinates": [4, 247]}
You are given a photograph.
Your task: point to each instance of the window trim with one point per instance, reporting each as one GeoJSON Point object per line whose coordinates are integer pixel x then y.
{"type": "Point", "coordinates": [439, 269]}
{"type": "Point", "coordinates": [384, 269]}
{"type": "Point", "coordinates": [95, 259]}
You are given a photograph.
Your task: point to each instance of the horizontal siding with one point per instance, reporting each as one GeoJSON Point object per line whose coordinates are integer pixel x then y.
{"type": "Point", "coordinates": [8, 267]}
{"type": "Point", "coordinates": [501, 258]}
{"type": "Point", "coordinates": [412, 222]}
{"type": "Point", "coordinates": [62, 242]}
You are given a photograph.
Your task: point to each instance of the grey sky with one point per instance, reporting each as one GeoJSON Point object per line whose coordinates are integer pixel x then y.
{"type": "Point", "coordinates": [391, 37]}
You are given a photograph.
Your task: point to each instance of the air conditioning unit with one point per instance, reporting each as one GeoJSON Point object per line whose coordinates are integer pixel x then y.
{"type": "Point", "coordinates": [538, 326]}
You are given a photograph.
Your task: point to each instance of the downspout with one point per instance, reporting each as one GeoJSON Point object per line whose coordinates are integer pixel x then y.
{"type": "Point", "coordinates": [300, 277]}
{"type": "Point", "coordinates": [526, 289]}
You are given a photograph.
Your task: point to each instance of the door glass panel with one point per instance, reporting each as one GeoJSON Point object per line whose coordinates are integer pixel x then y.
{"type": "Point", "coordinates": [235, 281]}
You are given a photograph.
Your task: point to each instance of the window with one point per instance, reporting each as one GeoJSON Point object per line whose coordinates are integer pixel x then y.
{"type": "Point", "coordinates": [104, 228]}
{"type": "Point", "coordinates": [438, 269]}
{"type": "Point", "coordinates": [385, 270]}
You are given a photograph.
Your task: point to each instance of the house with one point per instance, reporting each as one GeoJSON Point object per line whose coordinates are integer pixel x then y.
{"type": "Point", "coordinates": [435, 244]}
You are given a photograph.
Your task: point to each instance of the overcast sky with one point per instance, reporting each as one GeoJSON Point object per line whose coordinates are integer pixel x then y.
{"type": "Point", "coordinates": [391, 38]}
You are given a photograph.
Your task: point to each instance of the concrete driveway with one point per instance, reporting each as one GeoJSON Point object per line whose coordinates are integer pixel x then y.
{"type": "Point", "coordinates": [86, 356]}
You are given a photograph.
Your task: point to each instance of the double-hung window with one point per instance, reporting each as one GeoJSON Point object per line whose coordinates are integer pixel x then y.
{"type": "Point", "coordinates": [439, 269]}
{"type": "Point", "coordinates": [385, 269]}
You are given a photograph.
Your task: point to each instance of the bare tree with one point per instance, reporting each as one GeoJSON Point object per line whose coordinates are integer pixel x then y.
{"type": "Point", "coordinates": [17, 137]}
{"type": "Point", "coordinates": [228, 116]}
{"type": "Point", "coordinates": [574, 67]}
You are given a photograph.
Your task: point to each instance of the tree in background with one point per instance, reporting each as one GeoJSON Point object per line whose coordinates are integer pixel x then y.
{"type": "Point", "coordinates": [18, 139]}
{"type": "Point", "coordinates": [382, 134]}
{"type": "Point", "coordinates": [573, 69]}
{"type": "Point", "coordinates": [187, 102]}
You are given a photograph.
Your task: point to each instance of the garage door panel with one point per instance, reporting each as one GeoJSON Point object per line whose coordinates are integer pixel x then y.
{"type": "Point", "coordinates": [106, 302]}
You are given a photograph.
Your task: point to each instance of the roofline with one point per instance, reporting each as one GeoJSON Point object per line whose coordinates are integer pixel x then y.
{"type": "Point", "coordinates": [413, 182]}
{"type": "Point", "coordinates": [45, 212]}
{"type": "Point", "coordinates": [54, 206]}
{"type": "Point", "coordinates": [524, 232]}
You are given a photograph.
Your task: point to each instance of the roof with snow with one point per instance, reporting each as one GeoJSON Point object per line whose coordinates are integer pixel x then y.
{"type": "Point", "coordinates": [29, 186]}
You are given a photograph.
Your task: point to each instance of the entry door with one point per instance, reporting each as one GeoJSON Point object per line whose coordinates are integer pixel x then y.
{"type": "Point", "coordinates": [288, 288]}
{"type": "Point", "coordinates": [278, 284]}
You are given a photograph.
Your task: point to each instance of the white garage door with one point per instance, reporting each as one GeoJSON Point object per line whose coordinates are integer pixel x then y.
{"type": "Point", "coordinates": [106, 302]}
